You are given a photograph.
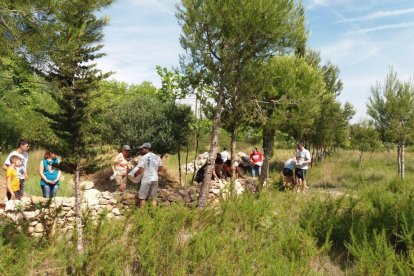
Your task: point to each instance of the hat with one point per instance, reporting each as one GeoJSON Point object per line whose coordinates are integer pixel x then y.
{"type": "Point", "coordinates": [126, 147]}
{"type": "Point", "coordinates": [145, 145]}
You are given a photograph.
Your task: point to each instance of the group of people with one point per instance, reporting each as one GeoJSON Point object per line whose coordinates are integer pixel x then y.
{"type": "Point", "coordinates": [147, 169]}
{"type": "Point", "coordinates": [222, 166]}
{"type": "Point", "coordinates": [15, 167]}
{"type": "Point", "coordinates": [295, 169]}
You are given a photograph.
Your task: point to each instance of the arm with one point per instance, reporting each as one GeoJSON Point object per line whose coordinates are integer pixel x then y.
{"type": "Point", "coordinates": [308, 158]}
{"type": "Point", "coordinates": [5, 167]}
{"type": "Point", "coordinates": [13, 196]}
{"type": "Point", "coordinates": [138, 172]}
{"type": "Point", "coordinates": [159, 169]}
{"type": "Point", "coordinates": [42, 175]}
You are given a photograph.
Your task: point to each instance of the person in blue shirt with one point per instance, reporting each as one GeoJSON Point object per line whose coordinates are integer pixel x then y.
{"type": "Point", "coordinates": [49, 174]}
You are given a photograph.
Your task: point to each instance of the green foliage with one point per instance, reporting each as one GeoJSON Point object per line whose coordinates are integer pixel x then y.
{"type": "Point", "coordinates": [290, 92]}
{"type": "Point", "coordinates": [364, 137]}
{"type": "Point", "coordinates": [147, 119]}
{"type": "Point", "coordinates": [392, 108]}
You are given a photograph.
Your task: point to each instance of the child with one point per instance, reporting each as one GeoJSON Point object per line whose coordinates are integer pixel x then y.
{"type": "Point", "coordinates": [13, 181]}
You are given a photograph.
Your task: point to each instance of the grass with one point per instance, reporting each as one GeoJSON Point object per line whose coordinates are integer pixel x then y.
{"type": "Point", "coordinates": [366, 231]}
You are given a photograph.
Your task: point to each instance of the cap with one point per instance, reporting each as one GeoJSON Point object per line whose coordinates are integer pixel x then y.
{"type": "Point", "coordinates": [126, 147]}
{"type": "Point", "coordinates": [145, 145]}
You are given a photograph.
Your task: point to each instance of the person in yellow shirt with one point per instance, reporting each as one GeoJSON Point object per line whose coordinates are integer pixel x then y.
{"type": "Point", "coordinates": [13, 181]}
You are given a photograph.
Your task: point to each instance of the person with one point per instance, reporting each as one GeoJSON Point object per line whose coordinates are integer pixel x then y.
{"type": "Point", "coordinates": [49, 174]}
{"type": "Point", "coordinates": [218, 165]}
{"type": "Point", "coordinates": [256, 159]}
{"type": "Point", "coordinates": [224, 154]}
{"type": "Point", "coordinates": [244, 162]}
{"type": "Point", "coordinates": [200, 174]}
{"type": "Point", "coordinates": [12, 177]}
{"type": "Point", "coordinates": [150, 166]}
{"type": "Point", "coordinates": [120, 168]}
{"type": "Point", "coordinates": [21, 151]}
{"type": "Point", "coordinates": [288, 173]}
{"type": "Point", "coordinates": [303, 158]}
{"type": "Point", "coordinates": [227, 170]}
{"type": "Point", "coordinates": [3, 193]}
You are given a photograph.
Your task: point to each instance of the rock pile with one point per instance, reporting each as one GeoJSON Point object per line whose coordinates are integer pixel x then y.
{"type": "Point", "coordinates": [44, 217]}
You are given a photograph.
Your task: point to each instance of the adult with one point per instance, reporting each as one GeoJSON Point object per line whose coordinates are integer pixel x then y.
{"type": "Point", "coordinates": [256, 159]}
{"type": "Point", "coordinates": [218, 165]}
{"type": "Point", "coordinates": [150, 166]}
{"type": "Point", "coordinates": [49, 174]}
{"type": "Point", "coordinates": [224, 154]}
{"type": "Point", "coordinates": [120, 168]}
{"type": "Point", "coordinates": [288, 173]}
{"type": "Point", "coordinates": [201, 172]}
{"type": "Point", "coordinates": [227, 172]}
{"type": "Point", "coordinates": [21, 151]}
{"type": "Point", "coordinates": [303, 158]}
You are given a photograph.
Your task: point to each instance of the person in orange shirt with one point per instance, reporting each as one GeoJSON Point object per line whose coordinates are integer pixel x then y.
{"type": "Point", "coordinates": [13, 181]}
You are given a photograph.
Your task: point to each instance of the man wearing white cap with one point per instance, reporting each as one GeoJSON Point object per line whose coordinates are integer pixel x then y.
{"type": "Point", "coordinates": [150, 165]}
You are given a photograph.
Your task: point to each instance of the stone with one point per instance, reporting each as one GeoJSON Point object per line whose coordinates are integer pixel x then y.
{"type": "Point", "coordinates": [215, 191]}
{"type": "Point", "coordinates": [86, 185]}
{"type": "Point", "coordinates": [31, 229]}
{"type": "Point", "coordinates": [107, 195]}
{"type": "Point", "coordinates": [112, 201]}
{"type": "Point", "coordinates": [91, 197]}
{"type": "Point", "coordinates": [103, 201]}
{"type": "Point", "coordinates": [173, 197]}
{"type": "Point", "coordinates": [70, 213]}
{"type": "Point", "coordinates": [187, 199]}
{"type": "Point", "coordinates": [163, 193]}
{"type": "Point", "coordinates": [110, 215]}
{"type": "Point", "coordinates": [238, 186]}
{"type": "Point", "coordinates": [33, 223]}
{"type": "Point", "coordinates": [37, 235]}
{"type": "Point", "coordinates": [68, 202]}
{"type": "Point", "coordinates": [39, 228]}
{"type": "Point", "coordinates": [116, 212]}
{"type": "Point", "coordinates": [129, 196]}
{"type": "Point", "coordinates": [183, 193]}
{"type": "Point", "coordinates": [30, 215]}
{"type": "Point", "coordinates": [39, 200]}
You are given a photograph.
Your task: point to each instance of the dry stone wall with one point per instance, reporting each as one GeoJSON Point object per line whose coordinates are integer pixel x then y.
{"type": "Point", "coordinates": [43, 217]}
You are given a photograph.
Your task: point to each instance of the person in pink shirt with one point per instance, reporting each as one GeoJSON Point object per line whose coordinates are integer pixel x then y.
{"type": "Point", "coordinates": [256, 159]}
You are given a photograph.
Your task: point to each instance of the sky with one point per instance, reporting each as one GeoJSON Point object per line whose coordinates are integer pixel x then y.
{"type": "Point", "coordinates": [364, 38]}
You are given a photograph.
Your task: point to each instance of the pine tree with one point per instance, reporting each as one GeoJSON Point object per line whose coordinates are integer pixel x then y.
{"type": "Point", "coordinates": [222, 37]}
{"type": "Point", "coordinates": [65, 58]}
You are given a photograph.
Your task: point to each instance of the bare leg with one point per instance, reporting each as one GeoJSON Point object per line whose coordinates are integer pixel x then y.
{"type": "Point", "coordinates": [154, 203]}
{"type": "Point", "coordinates": [141, 203]}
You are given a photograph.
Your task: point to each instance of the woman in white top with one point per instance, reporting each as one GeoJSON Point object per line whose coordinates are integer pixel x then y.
{"type": "Point", "coordinates": [120, 168]}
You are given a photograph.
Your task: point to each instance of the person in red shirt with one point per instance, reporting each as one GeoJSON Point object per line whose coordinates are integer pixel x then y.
{"type": "Point", "coordinates": [256, 159]}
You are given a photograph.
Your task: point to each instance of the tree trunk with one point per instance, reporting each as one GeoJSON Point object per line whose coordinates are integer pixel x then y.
{"type": "Point", "coordinates": [179, 163]}
{"type": "Point", "coordinates": [268, 142]}
{"type": "Point", "coordinates": [399, 159]}
{"type": "Point", "coordinates": [402, 161]}
{"type": "Point", "coordinates": [205, 185]}
{"type": "Point", "coordinates": [186, 163]}
{"type": "Point", "coordinates": [78, 215]}
{"type": "Point", "coordinates": [195, 157]}
{"type": "Point", "coordinates": [233, 153]}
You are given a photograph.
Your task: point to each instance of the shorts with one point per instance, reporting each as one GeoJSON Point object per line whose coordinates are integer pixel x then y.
{"type": "Point", "coordinates": [300, 173]}
{"type": "Point", "coordinates": [287, 172]}
{"type": "Point", "coordinates": [121, 180]}
{"type": "Point", "coordinates": [148, 190]}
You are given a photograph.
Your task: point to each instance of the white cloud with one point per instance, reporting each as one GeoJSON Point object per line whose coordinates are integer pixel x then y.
{"type": "Point", "coordinates": [377, 15]}
{"type": "Point", "coordinates": [385, 27]}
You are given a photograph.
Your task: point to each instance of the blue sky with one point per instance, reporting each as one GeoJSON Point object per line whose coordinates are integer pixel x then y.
{"type": "Point", "coordinates": [363, 37]}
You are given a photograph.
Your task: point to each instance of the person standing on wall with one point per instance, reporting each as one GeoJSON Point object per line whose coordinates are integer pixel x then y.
{"type": "Point", "coordinates": [224, 154]}
{"type": "Point", "coordinates": [303, 158]}
{"type": "Point", "coordinates": [21, 151]}
{"type": "Point", "coordinates": [150, 166]}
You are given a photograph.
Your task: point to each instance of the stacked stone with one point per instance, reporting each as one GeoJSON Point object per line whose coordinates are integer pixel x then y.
{"type": "Point", "coordinates": [200, 161]}
{"type": "Point", "coordinates": [44, 217]}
